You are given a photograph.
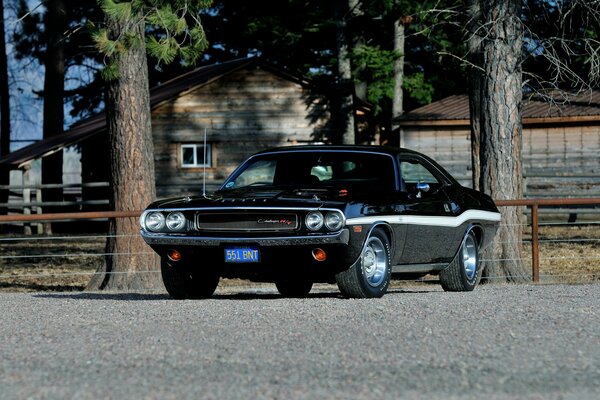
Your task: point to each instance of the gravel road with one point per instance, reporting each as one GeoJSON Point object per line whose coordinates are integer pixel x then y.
{"type": "Point", "coordinates": [498, 342]}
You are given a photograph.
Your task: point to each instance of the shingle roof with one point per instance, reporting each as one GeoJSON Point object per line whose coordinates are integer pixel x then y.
{"type": "Point", "coordinates": [158, 94]}
{"type": "Point", "coordinates": [454, 109]}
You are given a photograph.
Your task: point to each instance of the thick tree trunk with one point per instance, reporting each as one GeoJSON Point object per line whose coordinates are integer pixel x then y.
{"type": "Point", "coordinates": [345, 110]}
{"type": "Point", "coordinates": [501, 131]}
{"type": "Point", "coordinates": [54, 80]}
{"type": "Point", "coordinates": [4, 111]}
{"type": "Point", "coordinates": [128, 266]}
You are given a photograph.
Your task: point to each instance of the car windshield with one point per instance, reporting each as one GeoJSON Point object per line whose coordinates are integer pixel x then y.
{"type": "Point", "coordinates": [314, 169]}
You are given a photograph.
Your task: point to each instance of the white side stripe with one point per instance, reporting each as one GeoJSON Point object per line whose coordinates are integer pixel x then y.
{"type": "Point", "coordinates": [451, 222]}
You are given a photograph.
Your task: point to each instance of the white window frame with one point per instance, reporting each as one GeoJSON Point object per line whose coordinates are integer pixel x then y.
{"type": "Point", "coordinates": [198, 155]}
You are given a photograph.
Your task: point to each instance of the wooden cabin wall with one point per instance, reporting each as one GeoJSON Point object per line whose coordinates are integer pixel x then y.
{"type": "Point", "coordinates": [562, 161]}
{"type": "Point", "coordinates": [244, 112]}
{"type": "Point", "coordinates": [449, 146]}
{"type": "Point", "coordinates": [559, 161]}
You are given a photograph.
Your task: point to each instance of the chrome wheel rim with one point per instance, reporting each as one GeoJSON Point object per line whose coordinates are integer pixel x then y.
{"type": "Point", "coordinates": [469, 257]}
{"type": "Point", "coordinates": [374, 262]}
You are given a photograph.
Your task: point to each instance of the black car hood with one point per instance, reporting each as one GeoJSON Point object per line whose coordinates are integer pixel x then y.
{"type": "Point", "coordinates": [261, 197]}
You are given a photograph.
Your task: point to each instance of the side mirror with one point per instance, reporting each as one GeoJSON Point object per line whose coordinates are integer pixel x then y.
{"type": "Point", "coordinates": [423, 187]}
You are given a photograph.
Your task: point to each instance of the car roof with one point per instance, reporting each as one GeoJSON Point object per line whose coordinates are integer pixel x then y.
{"type": "Point", "coordinates": [348, 147]}
{"type": "Point", "coordinates": [387, 150]}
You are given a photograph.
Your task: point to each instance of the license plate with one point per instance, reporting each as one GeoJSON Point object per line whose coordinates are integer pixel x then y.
{"type": "Point", "coordinates": [242, 255]}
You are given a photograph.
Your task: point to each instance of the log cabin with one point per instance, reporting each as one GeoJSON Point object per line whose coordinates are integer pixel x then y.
{"type": "Point", "coordinates": [561, 141]}
{"type": "Point", "coordinates": [242, 106]}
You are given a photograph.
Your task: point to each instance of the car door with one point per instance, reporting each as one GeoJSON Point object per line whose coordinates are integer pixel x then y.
{"type": "Point", "coordinates": [427, 212]}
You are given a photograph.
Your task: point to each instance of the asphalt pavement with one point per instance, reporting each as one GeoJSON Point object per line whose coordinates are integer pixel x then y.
{"type": "Point", "coordinates": [498, 342]}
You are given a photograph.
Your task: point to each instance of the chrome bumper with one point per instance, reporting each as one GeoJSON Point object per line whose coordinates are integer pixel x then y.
{"type": "Point", "coordinates": [343, 237]}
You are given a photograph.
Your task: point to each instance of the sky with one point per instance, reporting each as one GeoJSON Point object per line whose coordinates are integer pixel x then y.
{"type": "Point", "coordinates": [25, 77]}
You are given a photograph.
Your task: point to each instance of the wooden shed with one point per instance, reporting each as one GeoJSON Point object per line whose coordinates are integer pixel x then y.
{"type": "Point", "coordinates": [561, 142]}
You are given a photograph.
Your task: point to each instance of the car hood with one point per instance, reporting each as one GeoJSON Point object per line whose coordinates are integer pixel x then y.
{"type": "Point", "coordinates": [272, 197]}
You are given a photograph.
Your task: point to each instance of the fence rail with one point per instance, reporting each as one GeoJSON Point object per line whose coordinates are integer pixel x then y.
{"type": "Point", "coordinates": [533, 204]}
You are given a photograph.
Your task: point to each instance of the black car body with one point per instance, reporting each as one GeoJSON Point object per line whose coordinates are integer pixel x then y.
{"type": "Point", "coordinates": [355, 215]}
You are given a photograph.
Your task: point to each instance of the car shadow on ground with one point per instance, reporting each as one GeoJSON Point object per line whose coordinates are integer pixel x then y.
{"type": "Point", "coordinates": [234, 295]}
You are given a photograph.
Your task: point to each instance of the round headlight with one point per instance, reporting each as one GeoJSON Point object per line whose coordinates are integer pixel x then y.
{"type": "Point", "coordinates": [155, 221]}
{"type": "Point", "coordinates": [175, 221]}
{"type": "Point", "coordinates": [314, 220]}
{"type": "Point", "coordinates": [334, 221]}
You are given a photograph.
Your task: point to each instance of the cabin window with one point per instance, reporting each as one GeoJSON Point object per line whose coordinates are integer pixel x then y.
{"type": "Point", "coordinates": [192, 155]}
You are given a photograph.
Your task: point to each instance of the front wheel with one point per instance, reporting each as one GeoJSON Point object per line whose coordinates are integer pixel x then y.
{"type": "Point", "coordinates": [370, 275]}
{"type": "Point", "coordinates": [184, 282]}
{"type": "Point", "coordinates": [463, 273]}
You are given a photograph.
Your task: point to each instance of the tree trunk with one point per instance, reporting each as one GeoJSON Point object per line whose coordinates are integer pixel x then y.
{"type": "Point", "coordinates": [345, 109]}
{"type": "Point", "coordinates": [399, 39]}
{"type": "Point", "coordinates": [128, 266]}
{"type": "Point", "coordinates": [54, 81]}
{"type": "Point", "coordinates": [501, 131]}
{"type": "Point", "coordinates": [358, 39]}
{"type": "Point", "coordinates": [4, 111]}
{"type": "Point", "coordinates": [475, 78]}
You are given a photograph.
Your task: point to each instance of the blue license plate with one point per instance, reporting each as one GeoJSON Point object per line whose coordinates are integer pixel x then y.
{"type": "Point", "coordinates": [242, 255]}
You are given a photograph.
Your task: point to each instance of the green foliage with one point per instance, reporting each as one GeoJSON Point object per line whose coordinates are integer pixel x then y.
{"type": "Point", "coordinates": [174, 29]}
{"type": "Point", "coordinates": [103, 43]}
{"type": "Point", "coordinates": [375, 65]}
{"type": "Point", "coordinates": [117, 11]}
{"type": "Point", "coordinates": [418, 88]}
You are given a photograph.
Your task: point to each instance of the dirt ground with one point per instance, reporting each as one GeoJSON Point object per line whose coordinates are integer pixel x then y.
{"type": "Point", "coordinates": [568, 254]}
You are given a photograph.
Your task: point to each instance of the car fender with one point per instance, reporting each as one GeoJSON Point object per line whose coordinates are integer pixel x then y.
{"type": "Point", "coordinates": [358, 241]}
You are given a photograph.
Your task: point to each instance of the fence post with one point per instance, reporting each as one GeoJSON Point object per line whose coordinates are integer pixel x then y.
{"type": "Point", "coordinates": [535, 249]}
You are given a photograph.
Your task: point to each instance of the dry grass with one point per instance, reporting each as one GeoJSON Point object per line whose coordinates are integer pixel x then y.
{"type": "Point", "coordinates": [568, 254]}
{"type": "Point", "coordinates": [55, 265]}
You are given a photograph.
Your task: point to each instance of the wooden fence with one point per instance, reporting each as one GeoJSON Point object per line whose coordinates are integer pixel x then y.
{"type": "Point", "coordinates": [533, 204]}
{"type": "Point", "coordinates": [28, 199]}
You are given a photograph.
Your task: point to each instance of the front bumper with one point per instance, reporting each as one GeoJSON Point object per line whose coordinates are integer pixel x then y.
{"type": "Point", "coordinates": [153, 239]}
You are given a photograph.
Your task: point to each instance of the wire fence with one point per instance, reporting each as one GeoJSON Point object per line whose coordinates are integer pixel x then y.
{"type": "Point", "coordinates": [568, 253]}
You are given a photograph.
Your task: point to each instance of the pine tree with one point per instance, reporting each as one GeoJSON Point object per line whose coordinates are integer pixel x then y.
{"type": "Point", "coordinates": [177, 33]}
{"type": "Point", "coordinates": [501, 129]}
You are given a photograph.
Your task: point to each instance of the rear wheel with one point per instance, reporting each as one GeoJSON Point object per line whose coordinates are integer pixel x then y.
{"type": "Point", "coordinates": [370, 275]}
{"type": "Point", "coordinates": [463, 273]}
{"type": "Point", "coordinates": [294, 287]}
{"type": "Point", "coordinates": [183, 282]}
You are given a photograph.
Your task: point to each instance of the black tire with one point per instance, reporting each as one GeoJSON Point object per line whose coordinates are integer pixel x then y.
{"type": "Point", "coordinates": [183, 282]}
{"type": "Point", "coordinates": [464, 272]}
{"type": "Point", "coordinates": [294, 287]}
{"type": "Point", "coordinates": [369, 276]}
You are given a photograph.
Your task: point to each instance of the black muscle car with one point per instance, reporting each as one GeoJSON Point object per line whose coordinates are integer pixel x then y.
{"type": "Point", "coordinates": [354, 215]}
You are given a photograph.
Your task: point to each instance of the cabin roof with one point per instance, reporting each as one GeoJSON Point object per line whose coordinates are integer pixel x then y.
{"type": "Point", "coordinates": [551, 109]}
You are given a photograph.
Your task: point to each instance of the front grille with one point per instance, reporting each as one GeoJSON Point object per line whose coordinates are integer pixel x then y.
{"type": "Point", "coordinates": [246, 222]}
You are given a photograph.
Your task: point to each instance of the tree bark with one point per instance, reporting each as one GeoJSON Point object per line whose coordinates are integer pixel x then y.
{"type": "Point", "coordinates": [54, 81]}
{"type": "Point", "coordinates": [399, 39]}
{"type": "Point", "coordinates": [358, 39]}
{"type": "Point", "coordinates": [4, 111]}
{"type": "Point", "coordinates": [128, 266]}
{"type": "Point", "coordinates": [344, 114]}
{"type": "Point", "coordinates": [501, 131]}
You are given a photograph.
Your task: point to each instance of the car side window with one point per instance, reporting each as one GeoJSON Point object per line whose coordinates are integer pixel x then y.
{"type": "Point", "coordinates": [417, 178]}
